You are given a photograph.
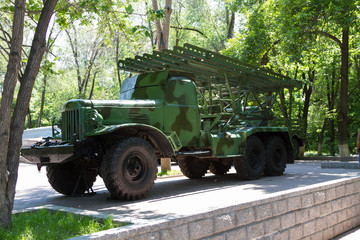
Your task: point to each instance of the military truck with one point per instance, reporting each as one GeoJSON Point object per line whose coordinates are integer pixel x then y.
{"type": "Point", "coordinates": [202, 109]}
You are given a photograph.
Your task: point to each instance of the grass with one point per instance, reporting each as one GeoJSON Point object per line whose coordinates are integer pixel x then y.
{"type": "Point", "coordinates": [44, 224]}
{"type": "Point", "coordinates": [313, 153]}
{"type": "Point", "coordinates": [169, 173]}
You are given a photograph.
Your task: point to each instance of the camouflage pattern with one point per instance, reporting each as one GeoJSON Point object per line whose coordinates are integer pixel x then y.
{"type": "Point", "coordinates": [177, 113]}
{"type": "Point", "coordinates": [170, 106]}
{"type": "Point", "coordinates": [196, 104]}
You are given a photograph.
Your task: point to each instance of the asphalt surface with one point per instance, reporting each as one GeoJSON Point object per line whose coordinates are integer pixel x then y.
{"type": "Point", "coordinates": [178, 196]}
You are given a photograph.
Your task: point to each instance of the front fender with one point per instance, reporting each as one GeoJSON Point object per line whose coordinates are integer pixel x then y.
{"type": "Point", "coordinates": [167, 144]}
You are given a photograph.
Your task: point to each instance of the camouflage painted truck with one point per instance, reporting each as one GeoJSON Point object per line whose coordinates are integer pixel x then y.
{"type": "Point", "coordinates": [204, 110]}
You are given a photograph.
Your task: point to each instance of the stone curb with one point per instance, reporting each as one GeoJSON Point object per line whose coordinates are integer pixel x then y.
{"type": "Point", "coordinates": [330, 209]}
{"type": "Point", "coordinates": [328, 158]}
{"type": "Point", "coordinates": [343, 165]}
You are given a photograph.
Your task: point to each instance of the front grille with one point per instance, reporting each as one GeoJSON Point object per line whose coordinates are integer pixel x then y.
{"type": "Point", "coordinates": [70, 125]}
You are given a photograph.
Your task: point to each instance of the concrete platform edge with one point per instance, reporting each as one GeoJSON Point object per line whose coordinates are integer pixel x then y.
{"type": "Point", "coordinates": [322, 211]}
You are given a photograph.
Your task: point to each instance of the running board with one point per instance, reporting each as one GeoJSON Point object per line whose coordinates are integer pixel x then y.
{"type": "Point", "coordinates": [196, 153]}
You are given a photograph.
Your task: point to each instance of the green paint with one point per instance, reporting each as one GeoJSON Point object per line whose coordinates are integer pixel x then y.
{"type": "Point", "coordinates": [216, 104]}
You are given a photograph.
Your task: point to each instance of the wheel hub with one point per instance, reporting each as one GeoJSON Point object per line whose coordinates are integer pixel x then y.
{"type": "Point", "coordinates": [133, 169]}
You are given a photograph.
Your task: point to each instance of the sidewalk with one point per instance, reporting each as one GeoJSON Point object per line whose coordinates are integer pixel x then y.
{"type": "Point", "coordinates": [179, 197]}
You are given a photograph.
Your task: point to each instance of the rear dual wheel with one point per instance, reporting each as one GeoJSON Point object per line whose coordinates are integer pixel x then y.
{"type": "Point", "coordinates": [219, 168]}
{"type": "Point", "coordinates": [252, 165]}
{"type": "Point", "coordinates": [276, 156]}
{"type": "Point", "coordinates": [267, 158]}
{"type": "Point", "coordinates": [192, 167]}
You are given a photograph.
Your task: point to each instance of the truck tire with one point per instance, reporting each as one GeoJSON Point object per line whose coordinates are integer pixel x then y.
{"type": "Point", "coordinates": [218, 168]}
{"type": "Point", "coordinates": [129, 169]}
{"type": "Point", "coordinates": [276, 156]}
{"type": "Point", "coordinates": [252, 165]}
{"type": "Point", "coordinates": [192, 167]}
{"type": "Point", "coordinates": [70, 179]}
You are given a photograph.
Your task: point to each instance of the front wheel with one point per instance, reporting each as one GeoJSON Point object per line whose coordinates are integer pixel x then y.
{"type": "Point", "coordinates": [251, 166]}
{"type": "Point", "coordinates": [129, 169]}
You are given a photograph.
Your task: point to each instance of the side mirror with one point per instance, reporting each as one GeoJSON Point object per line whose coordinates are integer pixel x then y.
{"type": "Point", "coordinates": [56, 128]}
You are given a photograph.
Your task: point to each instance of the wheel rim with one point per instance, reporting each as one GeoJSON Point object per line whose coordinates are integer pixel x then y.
{"type": "Point", "coordinates": [134, 170]}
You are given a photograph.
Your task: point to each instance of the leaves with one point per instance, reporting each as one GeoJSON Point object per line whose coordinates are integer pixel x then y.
{"type": "Point", "coordinates": [156, 14]}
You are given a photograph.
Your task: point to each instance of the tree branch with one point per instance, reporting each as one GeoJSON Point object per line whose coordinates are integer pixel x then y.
{"type": "Point", "coordinates": [332, 37]}
{"type": "Point", "coordinates": [189, 29]}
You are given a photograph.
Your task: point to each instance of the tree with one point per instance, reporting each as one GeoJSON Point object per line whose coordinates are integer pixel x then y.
{"type": "Point", "coordinates": [12, 121]}
{"type": "Point", "coordinates": [162, 30]}
{"type": "Point", "coordinates": [85, 62]}
{"type": "Point", "coordinates": [292, 29]}
{"type": "Point", "coordinates": [47, 71]}
{"type": "Point", "coordinates": [334, 21]}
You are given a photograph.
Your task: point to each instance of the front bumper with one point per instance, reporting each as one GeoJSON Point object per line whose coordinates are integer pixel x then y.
{"type": "Point", "coordinates": [48, 154]}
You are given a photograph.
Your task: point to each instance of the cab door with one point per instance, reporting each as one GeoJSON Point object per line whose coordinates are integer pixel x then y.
{"type": "Point", "coordinates": [181, 111]}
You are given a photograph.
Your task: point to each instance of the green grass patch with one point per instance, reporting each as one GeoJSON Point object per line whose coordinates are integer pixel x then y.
{"type": "Point", "coordinates": [45, 224]}
{"type": "Point", "coordinates": [169, 173]}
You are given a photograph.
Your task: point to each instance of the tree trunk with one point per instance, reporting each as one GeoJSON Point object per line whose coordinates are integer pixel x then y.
{"type": "Point", "coordinates": [42, 103]}
{"type": "Point", "coordinates": [332, 137]}
{"type": "Point", "coordinates": [94, 54]}
{"type": "Point", "coordinates": [74, 48]}
{"type": "Point", "coordinates": [163, 32]}
{"type": "Point", "coordinates": [166, 23]}
{"type": "Point", "coordinates": [343, 108]}
{"type": "Point", "coordinates": [321, 136]}
{"type": "Point", "coordinates": [332, 92]}
{"type": "Point", "coordinates": [13, 144]}
{"type": "Point", "coordinates": [92, 85]}
{"type": "Point", "coordinates": [231, 26]}
{"type": "Point", "coordinates": [117, 52]}
{"type": "Point", "coordinates": [283, 104]}
{"type": "Point", "coordinates": [29, 121]}
{"type": "Point", "coordinates": [357, 66]}
{"type": "Point", "coordinates": [13, 67]}
{"type": "Point", "coordinates": [307, 91]}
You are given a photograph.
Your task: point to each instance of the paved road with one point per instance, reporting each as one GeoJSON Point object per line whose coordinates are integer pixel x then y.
{"type": "Point", "coordinates": [176, 197]}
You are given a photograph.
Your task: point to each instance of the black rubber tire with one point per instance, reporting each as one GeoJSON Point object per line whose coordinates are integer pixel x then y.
{"type": "Point", "coordinates": [218, 168]}
{"type": "Point", "coordinates": [192, 167]}
{"type": "Point", "coordinates": [276, 156]}
{"type": "Point", "coordinates": [65, 177]}
{"type": "Point", "coordinates": [252, 165]}
{"type": "Point", "coordinates": [296, 151]}
{"type": "Point", "coordinates": [129, 169]}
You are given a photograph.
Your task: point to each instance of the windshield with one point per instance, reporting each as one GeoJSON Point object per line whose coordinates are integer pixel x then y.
{"type": "Point", "coordinates": [127, 88]}
{"type": "Point", "coordinates": [144, 86]}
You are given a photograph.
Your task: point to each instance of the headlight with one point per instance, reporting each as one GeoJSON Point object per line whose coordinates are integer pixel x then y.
{"type": "Point", "coordinates": [95, 119]}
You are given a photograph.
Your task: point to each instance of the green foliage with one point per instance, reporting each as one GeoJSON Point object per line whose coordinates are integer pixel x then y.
{"type": "Point", "coordinates": [44, 224]}
{"type": "Point", "coordinates": [158, 14]}
{"type": "Point", "coordinates": [297, 38]}
{"type": "Point", "coordinates": [199, 22]}
{"type": "Point", "coordinates": [292, 37]}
